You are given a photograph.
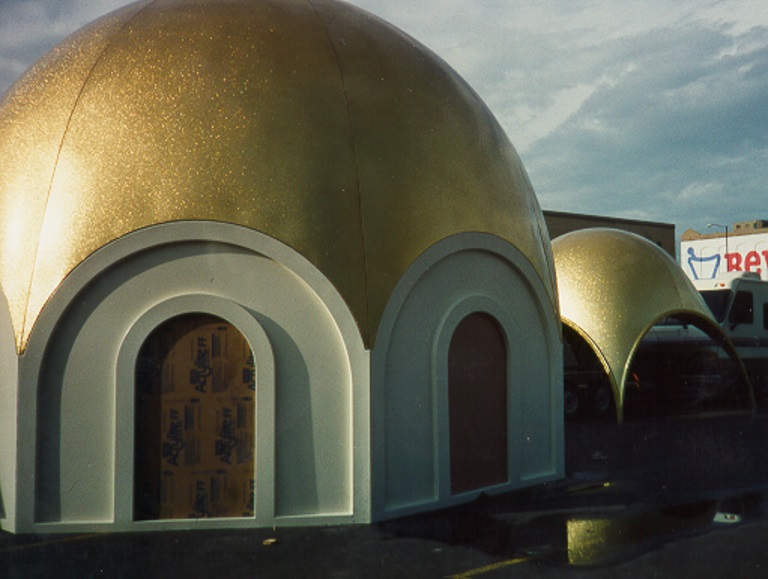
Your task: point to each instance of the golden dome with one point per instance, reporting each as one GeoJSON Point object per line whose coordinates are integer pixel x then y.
{"type": "Point", "coordinates": [310, 121]}
{"type": "Point", "coordinates": [614, 286]}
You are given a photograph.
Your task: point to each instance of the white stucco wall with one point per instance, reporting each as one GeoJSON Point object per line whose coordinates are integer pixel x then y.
{"type": "Point", "coordinates": [9, 371]}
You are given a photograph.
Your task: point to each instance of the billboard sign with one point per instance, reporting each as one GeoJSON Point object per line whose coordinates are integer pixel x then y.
{"type": "Point", "coordinates": [709, 258]}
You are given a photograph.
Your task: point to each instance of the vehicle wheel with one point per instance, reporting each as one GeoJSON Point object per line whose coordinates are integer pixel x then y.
{"type": "Point", "coordinates": [603, 399]}
{"type": "Point", "coordinates": [571, 403]}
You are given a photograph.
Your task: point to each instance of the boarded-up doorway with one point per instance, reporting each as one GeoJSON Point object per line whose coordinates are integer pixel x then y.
{"type": "Point", "coordinates": [194, 421]}
{"type": "Point", "coordinates": [477, 392]}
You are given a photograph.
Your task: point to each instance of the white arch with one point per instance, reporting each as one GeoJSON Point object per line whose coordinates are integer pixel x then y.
{"type": "Point", "coordinates": [153, 270]}
{"type": "Point", "coordinates": [461, 274]}
{"type": "Point", "coordinates": [264, 452]}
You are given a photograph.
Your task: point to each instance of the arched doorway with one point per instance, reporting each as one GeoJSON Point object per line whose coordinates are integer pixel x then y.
{"type": "Point", "coordinates": [477, 394]}
{"type": "Point", "coordinates": [310, 456]}
{"type": "Point", "coordinates": [194, 421]}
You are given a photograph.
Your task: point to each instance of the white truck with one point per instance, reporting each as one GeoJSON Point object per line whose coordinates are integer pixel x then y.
{"type": "Point", "coordinates": [739, 303]}
{"type": "Point", "coordinates": [680, 369]}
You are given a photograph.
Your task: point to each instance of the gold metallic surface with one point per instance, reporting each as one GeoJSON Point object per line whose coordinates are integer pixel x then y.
{"type": "Point", "coordinates": [33, 120]}
{"type": "Point", "coordinates": [308, 120]}
{"type": "Point", "coordinates": [613, 287]}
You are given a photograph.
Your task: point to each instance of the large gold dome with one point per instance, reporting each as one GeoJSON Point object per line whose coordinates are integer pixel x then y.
{"type": "Point", "coordinates": [307, 120]}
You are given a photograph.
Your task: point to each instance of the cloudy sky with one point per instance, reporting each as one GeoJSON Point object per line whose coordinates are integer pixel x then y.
{"type": "Point", "coordinates": [652, 109]}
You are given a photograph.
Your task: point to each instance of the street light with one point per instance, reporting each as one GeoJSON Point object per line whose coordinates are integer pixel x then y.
{"type": "Point", "coordinates": [727, 265]}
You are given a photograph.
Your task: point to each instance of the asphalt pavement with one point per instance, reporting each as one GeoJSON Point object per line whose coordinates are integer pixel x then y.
{"type": "Point", "coordinates": [648, 498]}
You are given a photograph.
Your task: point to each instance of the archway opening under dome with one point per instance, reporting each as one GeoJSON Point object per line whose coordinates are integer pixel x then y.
{"type": "Point", "coordinates": [681, 368]}
{"type": "Point", "coordinates": [588, 393]}
{"type": "Point", "coordinates": [194, 421]}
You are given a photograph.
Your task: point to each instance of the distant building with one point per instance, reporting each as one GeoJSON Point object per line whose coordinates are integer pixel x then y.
{"type": "Point", "coordinates": [662, 234]}
{"type": "Point", "coordinates": [742, 246]}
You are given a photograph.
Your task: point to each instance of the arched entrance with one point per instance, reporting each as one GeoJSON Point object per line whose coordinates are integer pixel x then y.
{"type": "Point", "coordinates": [477, 394]}
{"type": "Point", "coordinates": [443, 409]}
{"type": "Point", "coordinates": [310, 452]}
{"type": "Point", "coordinates": [194, 421]}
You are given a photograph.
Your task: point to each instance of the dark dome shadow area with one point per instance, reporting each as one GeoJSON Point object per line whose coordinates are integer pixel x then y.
{"type": "Point", "coordinates": [680, 368]}
{"type": "Point", "coordinates": [588, 393]}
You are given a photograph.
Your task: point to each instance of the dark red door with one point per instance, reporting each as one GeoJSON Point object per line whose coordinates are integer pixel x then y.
{"type": "Point", "coordinates": [477, 391]}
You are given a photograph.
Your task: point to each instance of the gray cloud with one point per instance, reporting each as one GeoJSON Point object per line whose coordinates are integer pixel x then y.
{"type": "Point", "coordinates": [30, 28]}
{"type": "Point", "coordinates": [680, 136]}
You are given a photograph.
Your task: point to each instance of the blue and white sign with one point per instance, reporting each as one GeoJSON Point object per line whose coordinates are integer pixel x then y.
{"type": "Point", "coordinates": [710, 258]}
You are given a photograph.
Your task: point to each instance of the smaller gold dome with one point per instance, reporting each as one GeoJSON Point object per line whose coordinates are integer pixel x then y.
{"type": "Point", "coordinates": [613, 287]}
